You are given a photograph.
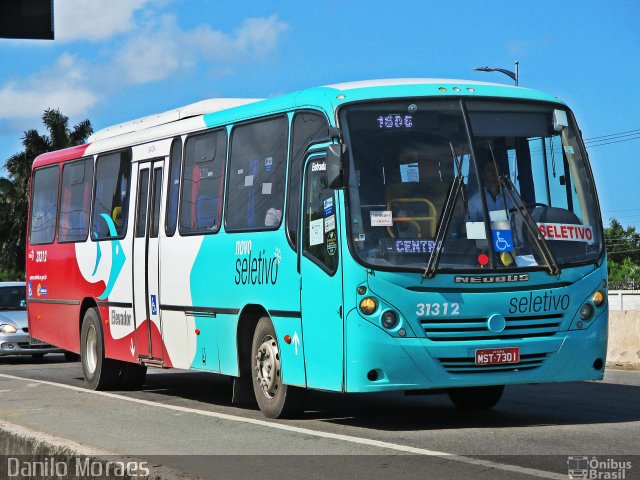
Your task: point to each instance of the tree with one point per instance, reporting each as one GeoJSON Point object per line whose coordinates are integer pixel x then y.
{"type": "Point", "coordinates": [14, 190]}
{"type": "Point", "coordinates": [623, 252]}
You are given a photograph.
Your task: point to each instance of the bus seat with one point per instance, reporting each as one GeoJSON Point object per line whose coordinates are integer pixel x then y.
{"type": "Point", "coordinates": [418, 217]}
{"type": "Point", "coordinates": [206, 212]}
{"type": "Point", "coordinates": [116, 216]}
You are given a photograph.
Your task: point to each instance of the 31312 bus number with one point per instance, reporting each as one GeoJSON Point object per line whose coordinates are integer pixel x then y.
{"type": "Point", "coordinates": [435, 309]}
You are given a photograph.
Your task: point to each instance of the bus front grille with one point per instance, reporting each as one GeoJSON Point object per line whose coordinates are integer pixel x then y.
{"type": "Point", "coordinates": [467, 364]}
{"type": "Point", "coordinates": [473, 329]}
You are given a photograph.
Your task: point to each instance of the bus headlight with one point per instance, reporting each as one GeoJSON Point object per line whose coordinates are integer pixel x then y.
{"type": "Point", "coordinates": [6, 328]}
{"type": "Point", "coordinates": [586, 311]}
{"type": "Point", "coordinates": [368, 305]}
{"type": "Point", "coordinates": [598, 298]}
{"type": "Point", "coordinates": [389, 319]}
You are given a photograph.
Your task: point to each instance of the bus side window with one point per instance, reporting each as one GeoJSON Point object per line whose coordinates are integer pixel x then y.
{"type": "Point", "coordinates": [75, 201]}
{"type": "Point", "coordinates": [175, 161]}
{"type": "Point", "coordinates": [155, 205]}
{"type": "Point", "coordinates": [319, 238]}
{"type": "Point", "coordinates": [44, 205]}
{"type": "Point", "coordinates": [143, 203]}
{"type": "Point", "coordinates": [306, 126]}
{"type": "Point", "coordinates": [255, 189]}
{"type": "Point", "coordinates": [202, 182]}
{"type": "Point", "coordinates": [111, 198]}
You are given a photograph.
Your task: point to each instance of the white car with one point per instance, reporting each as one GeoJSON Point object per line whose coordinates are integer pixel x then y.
{"type": "Point", "coordinates": [14, 328]}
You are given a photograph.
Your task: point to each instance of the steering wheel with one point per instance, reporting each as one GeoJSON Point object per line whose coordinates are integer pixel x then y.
{"type": "Point", "coordinates": [529, 206]}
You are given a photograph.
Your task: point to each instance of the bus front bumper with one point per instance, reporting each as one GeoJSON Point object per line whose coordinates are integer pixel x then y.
{"type": "Point", "coordinates": [377, 362]}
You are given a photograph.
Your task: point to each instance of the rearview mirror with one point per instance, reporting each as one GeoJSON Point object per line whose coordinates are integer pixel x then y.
{"type": "Point", "coordinates": [560, 120]}
{"type": "Point", "coordinates": [335, 166]}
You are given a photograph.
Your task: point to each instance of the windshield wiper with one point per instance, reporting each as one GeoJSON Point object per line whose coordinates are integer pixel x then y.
{"type": "Point", "coordinates": [530, 223]}
{"type": "Point", "coordinates": [456, 188]}
{"type": "Point", "coordinates": [506, 185]}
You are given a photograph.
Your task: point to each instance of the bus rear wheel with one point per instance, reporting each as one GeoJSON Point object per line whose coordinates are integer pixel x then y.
{"type": "Point", "coordinates": [275, 399]}
{"type": "Point", "coordinates": [99, 372]}
{"type": "Point", "coordinates": [476, 398]}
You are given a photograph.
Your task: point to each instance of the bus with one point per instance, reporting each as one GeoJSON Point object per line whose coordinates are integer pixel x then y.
{"type": "Point", "coordinates": [416, 235]}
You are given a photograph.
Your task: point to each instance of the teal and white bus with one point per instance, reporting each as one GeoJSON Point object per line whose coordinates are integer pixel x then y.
{"type": "Point", "coordinates": [409, 235]}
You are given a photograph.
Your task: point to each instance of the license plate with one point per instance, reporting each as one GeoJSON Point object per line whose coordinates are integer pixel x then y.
{"type": "Point", "coordinates": [497, 356]}
{"type": "Point", "coordinates": [36, 342]}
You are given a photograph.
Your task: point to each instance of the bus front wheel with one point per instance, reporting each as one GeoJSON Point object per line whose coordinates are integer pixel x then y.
{"type": "Point", "coordinates": [476, 398]}
{"type": "Point", "coordinates": [275, 399]}
{"type": "Point", "coordinates": [99, 372]}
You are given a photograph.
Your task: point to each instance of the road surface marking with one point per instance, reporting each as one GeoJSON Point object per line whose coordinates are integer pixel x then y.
{"type": "Point", "coordinates": [315, 433]}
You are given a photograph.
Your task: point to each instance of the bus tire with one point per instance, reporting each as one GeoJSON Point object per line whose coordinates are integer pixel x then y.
{"type": "Point", "coordinates": [99, 372]}
{"type": "Point", "coordinates": [476, 398]}
{"type": "Point", "coordinates": [132, 376]}
{"type": "Point", "coordinates": [275, 399]}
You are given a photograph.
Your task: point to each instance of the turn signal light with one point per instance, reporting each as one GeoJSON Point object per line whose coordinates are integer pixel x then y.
{"type": "Point", "coordinates": [598, 298]}
{"type": "Point", "coordinates": [368, 305]}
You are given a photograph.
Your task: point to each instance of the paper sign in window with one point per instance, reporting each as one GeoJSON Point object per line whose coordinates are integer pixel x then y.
{"type": "Point", "coordinates": [382, 218]}
{"type": "Point", "coordinates": [476, 231]}
{"type": "Point", "coordinates": [316, 235]}
{"type": "Point", "coordinates": [266, 189]}
{"type": "Point", "coordinates": [329, 223]}
{"type": "Point", "coordinates": [248, 181]}
{"type": "Point", "coordinates": [409, 172]}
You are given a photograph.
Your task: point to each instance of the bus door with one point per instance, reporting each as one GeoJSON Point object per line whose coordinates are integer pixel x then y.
{"type": "Point", "coordinates": [320, 269]}
{"type": "Point", "coordinates": [146, 261]}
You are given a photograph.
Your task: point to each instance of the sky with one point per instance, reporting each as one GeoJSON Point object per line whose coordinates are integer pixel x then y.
{"type": "Point", "coordinates": [115, 61]}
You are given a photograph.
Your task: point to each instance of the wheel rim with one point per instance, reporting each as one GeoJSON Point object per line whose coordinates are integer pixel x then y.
{"type": "Point", "coordinates": [92, 349]}
{"type": "Point", "coordinates": [268, 366]}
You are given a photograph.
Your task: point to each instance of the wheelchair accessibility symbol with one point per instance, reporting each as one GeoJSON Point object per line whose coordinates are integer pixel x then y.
{"type": "Point", "coordinates": [502, 240]}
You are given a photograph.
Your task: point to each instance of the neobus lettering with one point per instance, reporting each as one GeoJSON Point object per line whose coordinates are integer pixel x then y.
{"type": "Point", "coordinates": [537, 303]}
{"type": "Point", "coordinates": [257, 270]}
{"type": "Point", "coordinates": [523, 277]}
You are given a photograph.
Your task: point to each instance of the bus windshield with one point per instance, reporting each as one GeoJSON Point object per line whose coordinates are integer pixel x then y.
{"type": "Point", "coordinates": [525, 183]}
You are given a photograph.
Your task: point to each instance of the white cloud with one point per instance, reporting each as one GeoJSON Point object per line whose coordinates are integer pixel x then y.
{"type": "Point", "coordinates": [164, 49]}
{"type": "Point", "coordinates": [158, 51]}
{"type": "Point", "coordinates": [94, 20]}
{"type": "Point", "coordinates": [63, 86]}
{"type": "Point", "coordinates": [259, 36]}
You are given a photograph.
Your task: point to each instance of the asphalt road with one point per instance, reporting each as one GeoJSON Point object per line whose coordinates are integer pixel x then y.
{"type": "Point", "coordinates": [185, 420]}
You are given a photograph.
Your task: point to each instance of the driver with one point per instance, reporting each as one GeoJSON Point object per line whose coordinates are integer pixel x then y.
{"type": "Point", "coordinates": [494, 197]}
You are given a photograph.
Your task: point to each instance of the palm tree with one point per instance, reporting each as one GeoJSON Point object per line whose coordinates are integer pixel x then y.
{"type": "Point", "coordinates": [14, 190]}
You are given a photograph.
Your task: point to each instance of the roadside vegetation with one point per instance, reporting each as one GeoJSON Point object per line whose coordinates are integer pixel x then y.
{"type": "Point", "coordinates": [623, 249]}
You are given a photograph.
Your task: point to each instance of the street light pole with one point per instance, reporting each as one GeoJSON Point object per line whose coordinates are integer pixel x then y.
{"type": "Point", "coordinates": [509, 73]}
